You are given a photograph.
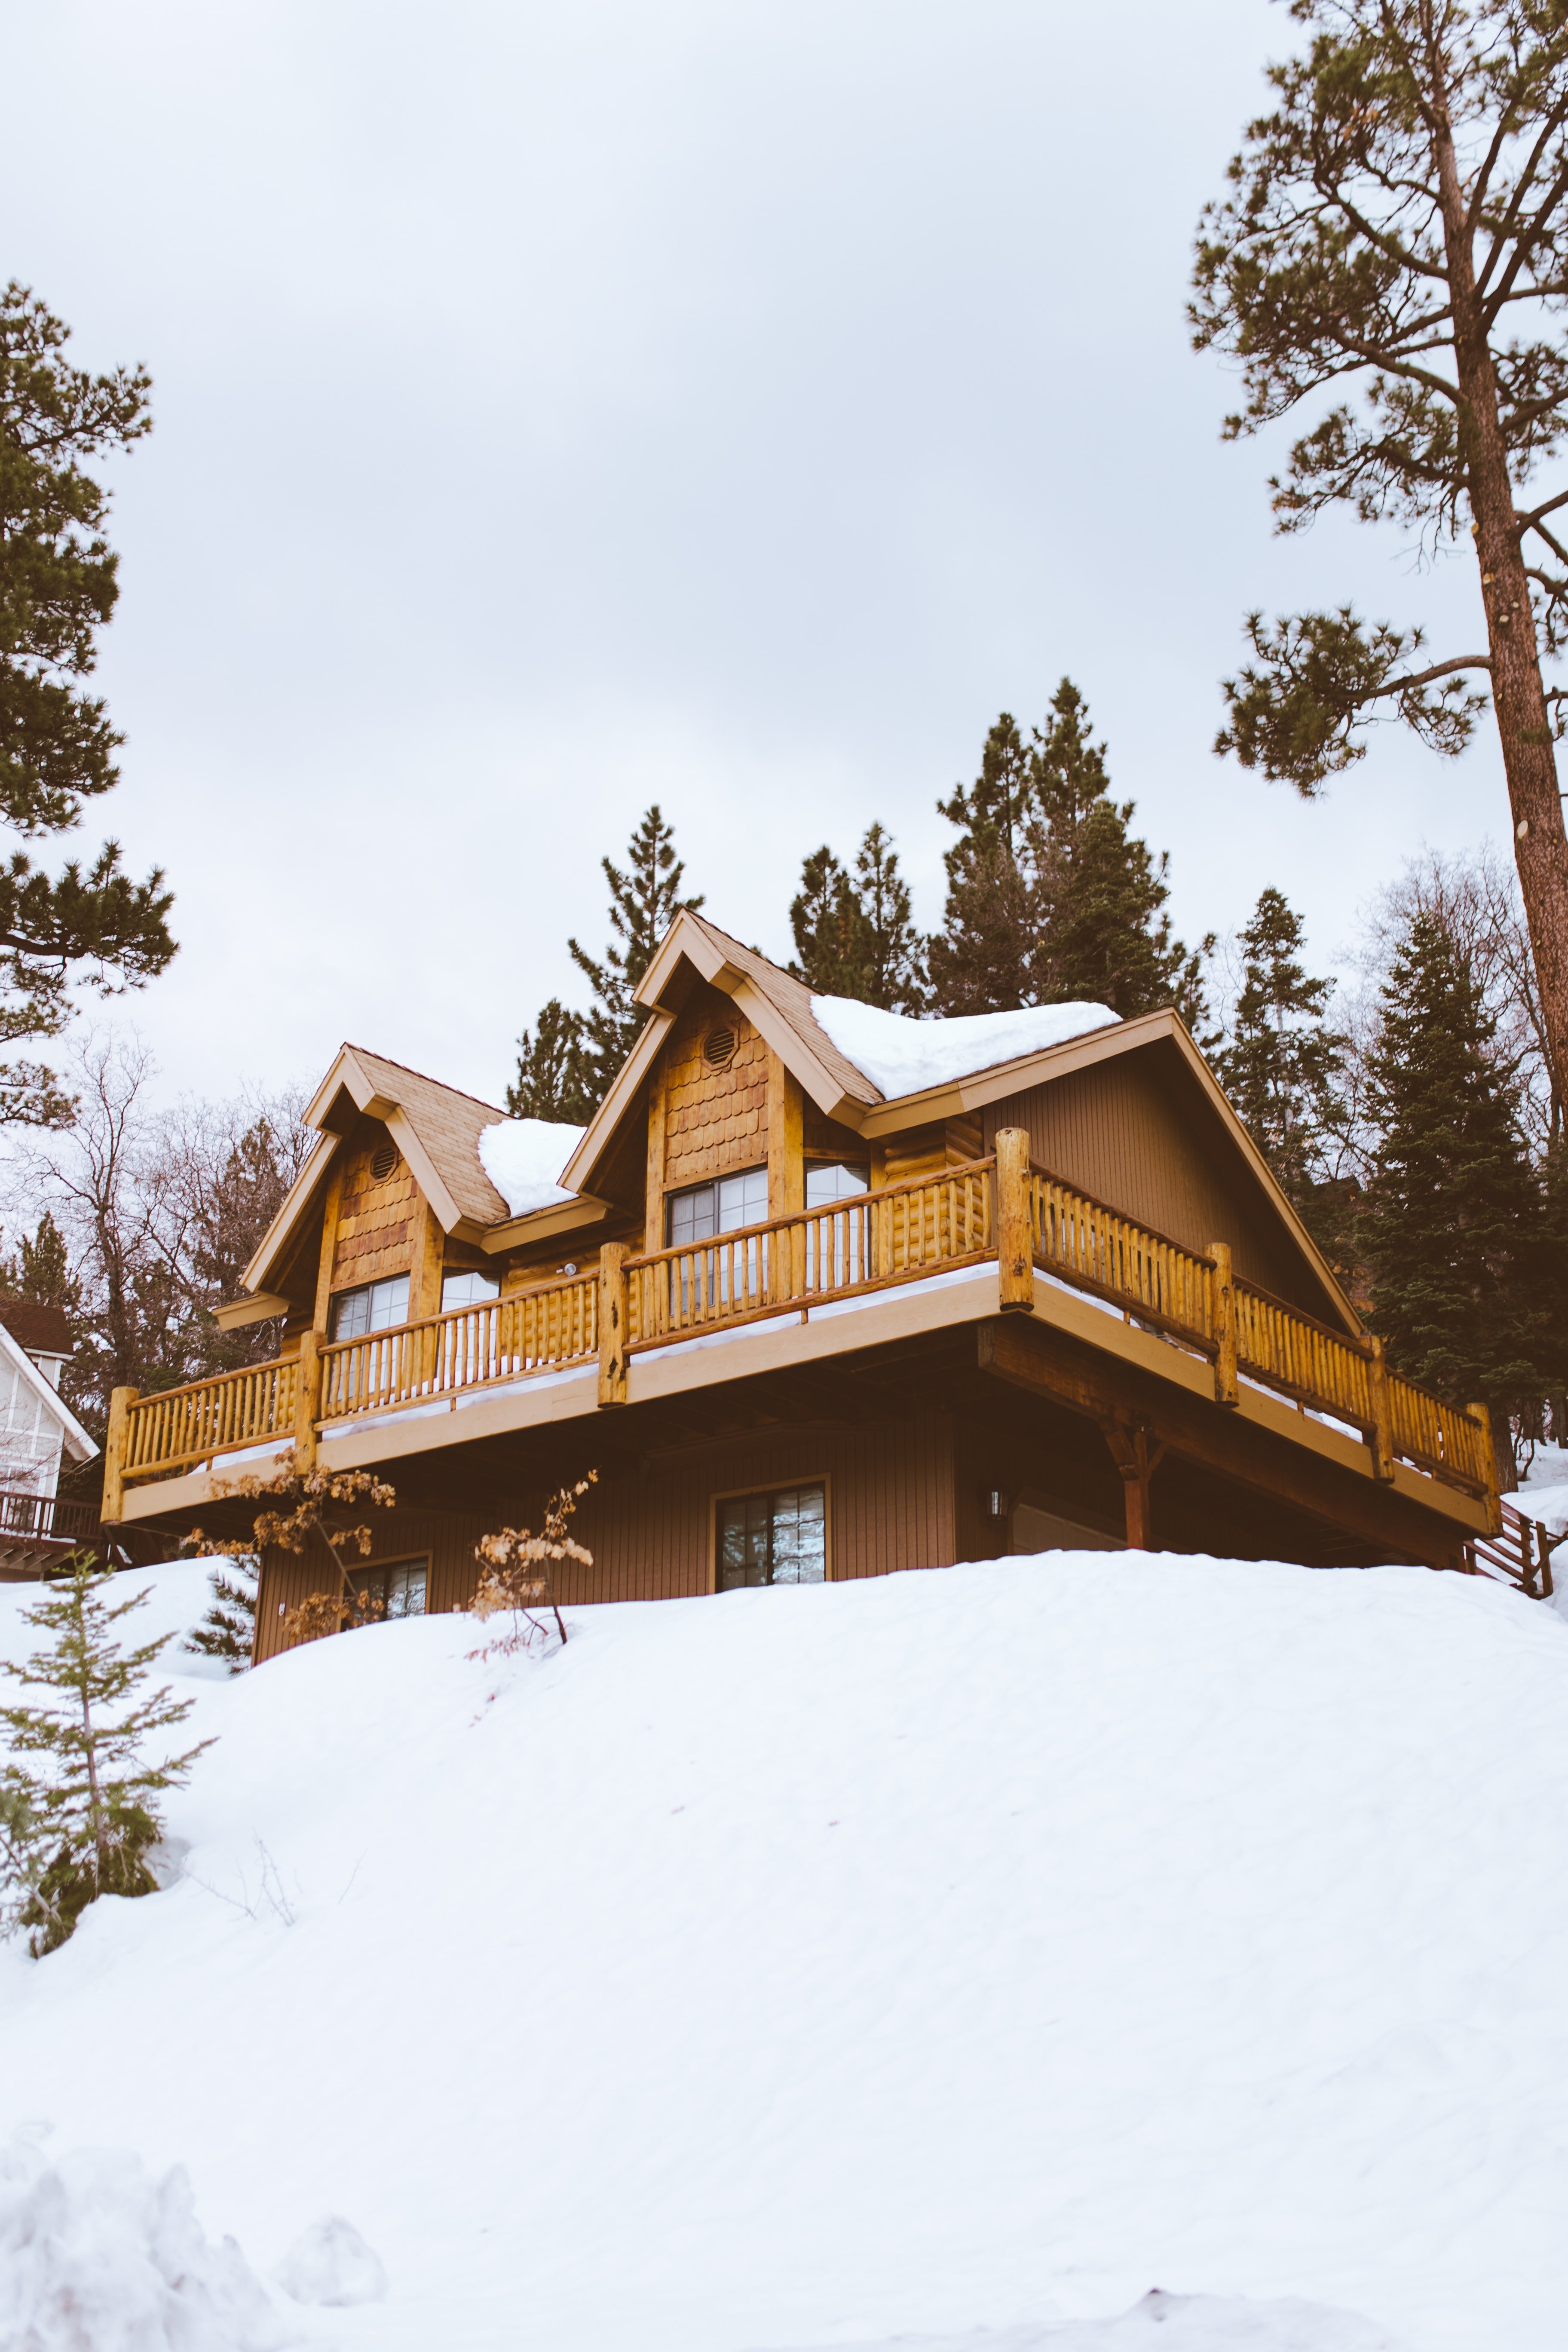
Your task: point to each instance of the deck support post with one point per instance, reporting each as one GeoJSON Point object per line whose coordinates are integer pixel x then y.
{"type": "Point", "coordinates": [1224, 1385]}
{"type": "Point", "coordinates": [1015, 1226]}
{"type": "Point", "coordinates": [308, 1400]}
{"type": "Point", "coordinates": [1382, 1438]}
{"type": "Point", "coordinates": [112, 1509]}
{"type": "Point", "coordinates": [1483, 1418]}
{"type": "Point", "coordinates": [612, 1323]}
{"type": "Point", "coordinates": [1130, 1447]}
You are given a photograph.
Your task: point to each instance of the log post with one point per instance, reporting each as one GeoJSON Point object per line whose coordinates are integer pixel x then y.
{"type": "Point", "coordinates": [1015, 1226]}
{"type": "Point", "coordinates": [1225, 1381]}
{"type": "Point", "coordinates": [1137, 1462]}
{"type": "Point", "coordinates": [1483, 1418]}
{"type": "Point", "coordinates": [308, 1400]}
{"type": "Point", "coordinates": [116, 1439]}
{"type": "Point", "coordinates": [1382, 1438]}
{"type": "Point", "coordinates": [612, 1323]}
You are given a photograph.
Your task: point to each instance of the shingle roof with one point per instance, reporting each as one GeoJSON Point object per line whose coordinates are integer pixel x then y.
{"type": "Point", "coordinates": [41, 1330]}
{"type": "Point", "coordinates": [790, 999]}
{"type": "Point", "coordinates": [448, 1125]}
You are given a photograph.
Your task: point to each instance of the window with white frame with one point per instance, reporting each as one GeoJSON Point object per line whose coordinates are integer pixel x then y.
{"type": "Point", "coordinates": [470, 1288]}
{"type": "Point", "coordinates": [702, 1211]}
{"type": "Point", "coordinates": [839, 1179]}
{"type": "Point", "coordinates": [374, 1306]}
{"type": "Point", "coordinates": [778, 1538]}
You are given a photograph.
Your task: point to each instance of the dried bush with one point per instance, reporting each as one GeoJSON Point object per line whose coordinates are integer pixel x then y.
{"type": "Point", "coordinates": [515, 1565]}
{"type": "Point", "coordinates": [309, 1496]}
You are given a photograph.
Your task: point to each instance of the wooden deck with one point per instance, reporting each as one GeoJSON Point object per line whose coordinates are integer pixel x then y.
{"type": "Point", "coordinates": [1002, 1210]}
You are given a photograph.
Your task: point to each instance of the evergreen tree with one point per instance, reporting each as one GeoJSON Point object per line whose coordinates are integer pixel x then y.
{"type": "Point", "coordinates": [552, 1077]}
{"type": "Point", "coordinates": [40, 1272]}
{"type": "Point", "coordinates": [57, 588]}
{"type": "Point", "coordinates": [854, 936]}
{"type": "Point", "coordinates": [1280, 1062]}
{"type": "Point", "coordinates": [982, 959]}
{"type": "Point", "coordinates": [1050, 898]}
{"type": "Point", "coordinates": [92, 1806]}
{"type": "Point", "coordinates": [822, 916]}
{"type": "Point", "coordinates": [229, 1629]}
{"type": "Point", "coordinates": [1451, 1228]}
{"type": "Point", "coordinates": [644, 902]}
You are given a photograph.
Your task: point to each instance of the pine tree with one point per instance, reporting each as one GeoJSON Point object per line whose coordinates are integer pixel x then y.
{"type": "Point", "coordinates": [553, 1079]}
{"type": "Point", "coordinates": [93, 1805]}
{"type": "Point", "coordinates": [1051, 899]}
{"type": "Point", "coordinates": [1452, 1225]}
{"type": "Point", "coordinates": [1280, 1062]}
{"type": "Point", "coordinates": [229, 1629]}
{"type": "Point", "coordinates": [856, 936]}
{"type": "Point", "coordinates": [40, 1272]}
{"type": "Point", "coordinates": [57, 589]}
{"type": "Point", "coordinates": [644, 902]}
{"type": "Point", "coordinates": [981, 960]}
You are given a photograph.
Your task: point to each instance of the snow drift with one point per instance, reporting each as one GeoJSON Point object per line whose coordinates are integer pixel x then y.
{"type": "Point", "coordinates": [523, 1159]}
{"type": "Point", "coordinates": [827, 1966]}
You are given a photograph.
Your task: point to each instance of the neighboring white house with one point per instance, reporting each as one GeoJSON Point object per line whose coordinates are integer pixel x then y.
{"type": "Point", "coordinates": [37, 1431]}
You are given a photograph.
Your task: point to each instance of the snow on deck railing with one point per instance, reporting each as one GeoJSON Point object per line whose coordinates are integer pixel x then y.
{"type": "Point", "coordinates": [1002, 1207]}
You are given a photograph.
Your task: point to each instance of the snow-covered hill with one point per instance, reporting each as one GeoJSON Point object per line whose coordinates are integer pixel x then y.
{"type": "Point", "coordinates": [975, 1949]}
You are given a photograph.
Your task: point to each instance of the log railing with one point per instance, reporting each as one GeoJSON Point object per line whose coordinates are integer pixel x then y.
{"type": "Point", "coordinates": [931, 1226]}
{"type": "Point", "coordinates": [1003, 1208]}
{"type": "Point", "coordinates": [472, 1347]}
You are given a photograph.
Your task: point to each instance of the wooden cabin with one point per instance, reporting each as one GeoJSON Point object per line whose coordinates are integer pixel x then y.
{"type": "Point", "coordinates": [38, 1434]}
{"type": "Point", "coordinates": [804, 1325]}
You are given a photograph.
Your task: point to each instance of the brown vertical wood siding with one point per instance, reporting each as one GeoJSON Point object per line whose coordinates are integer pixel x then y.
{"type": "Point", "coordinates": [1116, 1132]}
{"type": "Point", "coordinates": [891, 1505]}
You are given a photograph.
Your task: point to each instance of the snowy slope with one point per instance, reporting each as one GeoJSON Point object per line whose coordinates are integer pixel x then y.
{"type": "Point", "coordinates": [971, 1950]}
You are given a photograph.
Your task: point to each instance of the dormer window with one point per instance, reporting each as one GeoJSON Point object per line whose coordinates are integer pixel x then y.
{"type": "Point", "coordinates": [839, 1180]}
{"type": "Point", "coordinates": [375, 1306]}
{"type": "Point", "coordinates": [468, 1289]}
{"type": "Point", "coordinates": [701, 1211]}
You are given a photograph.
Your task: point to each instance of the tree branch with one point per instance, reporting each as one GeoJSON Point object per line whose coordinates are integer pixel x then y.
{"type": "Point", "coordinates": [1425, 676]}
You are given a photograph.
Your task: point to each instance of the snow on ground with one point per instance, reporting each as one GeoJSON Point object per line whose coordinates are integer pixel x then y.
{"type": "Point", "coordinates": [524, 1156]}
{"type": "Point", "coordinates": [1543, 1494]}
{"type": "Point", "coordinates": [860, 1965]}
{"type": "Point", "coordinates": [901, 1056]}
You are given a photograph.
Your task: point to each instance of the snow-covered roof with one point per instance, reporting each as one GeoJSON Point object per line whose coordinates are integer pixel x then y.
{"type": "Point", "coordinates": [523, 1157]}
{"type": "Point", "coordinates": [901, 1056]}
{"type": "Point", "coordinates": [77, 1444]}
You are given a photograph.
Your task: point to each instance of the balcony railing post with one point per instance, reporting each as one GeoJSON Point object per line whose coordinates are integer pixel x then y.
{"type": "Point", "coordinates": [116, 1438]}
{"type": "Point", "coordinates": [1015, 1226]}
{"type": "Point", "coordinates": [613, 1321]}
{"type": "Point", "coordinates": [1226, 1390]}
{"type": "Point", "coordinates": [1483, 1421]}
{"type": "Point", "coordinates": [1381, 1440]}
{"type": "Point", "coordinates": [308, 1400]}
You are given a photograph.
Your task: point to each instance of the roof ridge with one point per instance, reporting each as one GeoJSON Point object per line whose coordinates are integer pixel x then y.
{"type": "Point", "coordinates": [425, 1077]}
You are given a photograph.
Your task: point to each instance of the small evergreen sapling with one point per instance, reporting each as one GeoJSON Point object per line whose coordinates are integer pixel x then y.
{"type": "Point", "coordinates": [90, 1812]}
{"type": "Point", "coordinates": [229, 1629]}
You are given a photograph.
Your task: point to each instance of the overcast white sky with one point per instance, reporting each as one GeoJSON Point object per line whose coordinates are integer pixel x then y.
{"type": "Point", "coordinates": [729, 403]}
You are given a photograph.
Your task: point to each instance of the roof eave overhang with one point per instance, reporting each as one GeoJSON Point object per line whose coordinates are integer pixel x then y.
{"type": "Point", "coordinates": [542, 1225]}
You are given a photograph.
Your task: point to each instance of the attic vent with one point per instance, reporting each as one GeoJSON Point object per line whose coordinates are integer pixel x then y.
{"type": "Point", "coordinates": [719, 1047]}
{"type": "Point", "coordinates": [385, 1161]}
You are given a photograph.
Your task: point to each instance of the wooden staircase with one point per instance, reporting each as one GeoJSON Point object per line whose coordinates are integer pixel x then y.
{"type": "Point", "coordinates": [1519, 1554]}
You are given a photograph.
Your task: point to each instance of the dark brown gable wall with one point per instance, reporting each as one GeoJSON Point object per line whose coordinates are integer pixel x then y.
{"type": "Point", "coordinates": [1124, 1132]}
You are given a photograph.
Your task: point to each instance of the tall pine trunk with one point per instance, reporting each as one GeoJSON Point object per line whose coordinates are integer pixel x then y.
{"type": "Point", "coordinates": [1519, 694]}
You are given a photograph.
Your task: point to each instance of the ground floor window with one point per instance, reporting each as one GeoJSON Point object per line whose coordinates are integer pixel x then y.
{"type": "Point", "coordinates": [775, 1538]}
{"type": "Point", "coordinates": [400, 1585]}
